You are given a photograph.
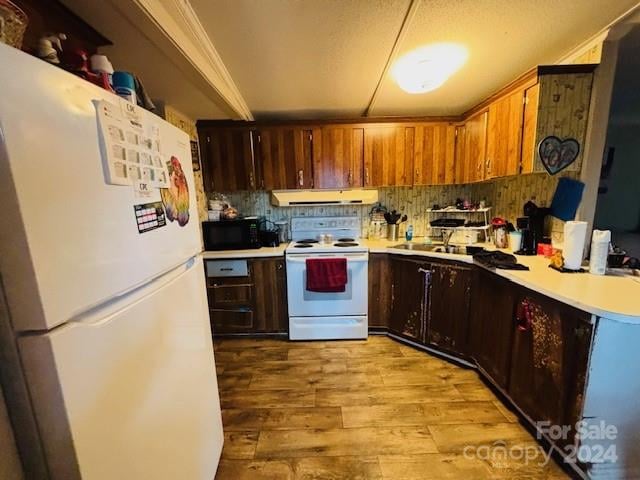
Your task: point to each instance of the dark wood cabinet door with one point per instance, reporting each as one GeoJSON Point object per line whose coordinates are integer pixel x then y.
{"type": "Point", "coordinates": [408, 298]}
{"type": "Point", "coordinates": [224, 322]}
{"type": "Point", "coordinates": [227, 159]}
{"type": "Point", "coordinates": [338, 156]}
{"type": "Point", "coordinates": [491, 327]}
{"type": "Point", "coordinates": [448, 307]}
{"type": "Point", "coordinates": [434, 154]}
{"type": "Point", "coordinates": [550, 351]}
{"type": "Point", "coordinates": [284, 158]}
{"type": "Point", "coordinates": [270, 295]}
{"type": "Point", "coordinates": [388, 155]}
{"type": "Point", "coordinates": [380, 285]}
{"type": "Point", "coordinates": [504, 135]}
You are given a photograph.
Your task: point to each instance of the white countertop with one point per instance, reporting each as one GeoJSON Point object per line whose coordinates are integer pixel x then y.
{"type": "Point", "coordinates": [249, 253]}
{"type": "Point", "coordinates": [615, 296]}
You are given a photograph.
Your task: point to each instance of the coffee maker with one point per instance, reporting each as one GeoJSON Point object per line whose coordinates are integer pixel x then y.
{"type": "Point", "coordinates": [532, 227]}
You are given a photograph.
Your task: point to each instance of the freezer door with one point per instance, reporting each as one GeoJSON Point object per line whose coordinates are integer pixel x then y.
{"type": "Point", "coordinates": [130, 392]}
{"type": "Point", "coordinates": [69, 241]}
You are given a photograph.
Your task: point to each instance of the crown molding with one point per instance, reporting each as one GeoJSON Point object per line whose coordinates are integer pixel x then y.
{"type": "Point", "coordinates": [181, 25]}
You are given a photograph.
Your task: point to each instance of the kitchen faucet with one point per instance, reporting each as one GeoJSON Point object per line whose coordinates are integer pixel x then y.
{"type": "Point", "coordinates": [446, 236]}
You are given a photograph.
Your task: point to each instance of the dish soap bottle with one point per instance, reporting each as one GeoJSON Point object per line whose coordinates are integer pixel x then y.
{"type": "Point", "coordinates": [408, 235]}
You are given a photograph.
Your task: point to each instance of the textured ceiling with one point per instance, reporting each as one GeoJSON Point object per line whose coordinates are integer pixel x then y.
{"type": "Point", "coordinates": [323, 58]}
{"type": "Point", "coordinates": [303, 57]}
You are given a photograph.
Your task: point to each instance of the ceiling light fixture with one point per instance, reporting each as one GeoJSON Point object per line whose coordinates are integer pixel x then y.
{"type": "Point", "coordinates": [427, 68]}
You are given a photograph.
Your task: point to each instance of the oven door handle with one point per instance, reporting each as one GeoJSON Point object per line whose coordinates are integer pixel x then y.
{"type": "Point", "coordinates": [303, 259]}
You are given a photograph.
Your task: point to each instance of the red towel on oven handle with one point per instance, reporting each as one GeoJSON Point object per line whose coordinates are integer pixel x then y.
{"type": "Point", "coordinates": [326, 274]}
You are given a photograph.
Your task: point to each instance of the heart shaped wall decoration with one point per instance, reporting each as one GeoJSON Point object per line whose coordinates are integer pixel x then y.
{"type": "Point", "coordinates": [556, 154]}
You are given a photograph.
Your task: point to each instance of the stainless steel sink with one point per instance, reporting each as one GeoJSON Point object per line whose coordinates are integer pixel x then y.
{"type": "Point", "coordinates": [420, 247]}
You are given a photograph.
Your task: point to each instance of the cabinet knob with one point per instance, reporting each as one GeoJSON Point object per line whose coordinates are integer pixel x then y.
{"type": "Point", "coordinates": [366, 176]}
{"type": "Point", "coordinates": [301, 178]}
{"type": "Point", "coordinates": [350, 179]}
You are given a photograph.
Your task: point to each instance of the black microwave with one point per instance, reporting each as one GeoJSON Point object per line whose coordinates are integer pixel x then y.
{"type": "Point", "coordinates": [238, 234]}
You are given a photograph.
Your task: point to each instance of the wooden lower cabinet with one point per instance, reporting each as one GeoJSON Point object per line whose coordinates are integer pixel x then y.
{"type": "Point", "coordinates": [380, 285]}
{"type": "Point", "coordinates": [551, 343]}
{"type": "Point", "coordinates": [491, 323]}
{"type": "Point", "coordinates": [407, 299]}
{"type": "Point", "coordinates": [252, 304]}
{"type": "Point", "coordinates": [270, 295]}
{"type": "Point", "coordinates": [448, 307]}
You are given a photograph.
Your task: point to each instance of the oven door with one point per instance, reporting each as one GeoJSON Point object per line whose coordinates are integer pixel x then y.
{"type": "Point", "coordinates": [353, 301]}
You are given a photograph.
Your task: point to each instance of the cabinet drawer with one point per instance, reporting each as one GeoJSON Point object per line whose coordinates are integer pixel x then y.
{"type": "Point", "coordinates": [231, 321]}
{"type": "Point", "coordinates": [230, 295]}
{"type": "Point", "coordinates": [227, 268]}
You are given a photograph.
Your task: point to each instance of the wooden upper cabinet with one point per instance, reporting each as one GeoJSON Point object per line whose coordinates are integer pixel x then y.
{"type": "Point", "coordinates": [388, 155]}
{"type": "Point", "coordinates": [338, 156]}
{"type": "Point", "coordinates": [284, 158]}
{"type": "Point", "coordinates": [434, 154]}
{"type": "Point", "coordinates": [475, 148]}
{"type": "Point", "coordinates": [504, 135]}
{"type": "Point", "coordinates": [459, 154]}
{"type": "Point", "coordinates": [529, 127]}
{"type": "Point", "coordinates": [228, 159]}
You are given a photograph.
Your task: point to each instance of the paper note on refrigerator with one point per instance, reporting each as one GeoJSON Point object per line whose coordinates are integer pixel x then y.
{"type": "Point", "coordinates": [130, 146]}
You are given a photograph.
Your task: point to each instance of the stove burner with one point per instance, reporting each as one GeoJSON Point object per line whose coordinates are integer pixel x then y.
{"type": "Point", "coordinates": [308, 240]}
{"type": "Point", "coordinates": [303, 245]}
{"type": "Point", "coordinates": [345, 244]}
{"type": "Point", "coordinates": [346, 240]}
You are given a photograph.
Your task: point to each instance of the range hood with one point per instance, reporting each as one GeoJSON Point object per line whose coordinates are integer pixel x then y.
{"type": "Point", "coordinates": [310, 198]}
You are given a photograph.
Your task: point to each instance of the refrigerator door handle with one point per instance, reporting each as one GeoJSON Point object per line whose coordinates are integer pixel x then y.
{"type": "Point", "coordinates": [106, 312]}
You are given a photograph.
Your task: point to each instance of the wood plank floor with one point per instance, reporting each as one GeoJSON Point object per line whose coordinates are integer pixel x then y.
{"type": "Point", "coordinates": [358, 410]}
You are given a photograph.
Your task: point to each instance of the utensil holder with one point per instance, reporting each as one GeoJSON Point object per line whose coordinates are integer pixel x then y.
{"type": "Point", "coordinates": [392, 232]}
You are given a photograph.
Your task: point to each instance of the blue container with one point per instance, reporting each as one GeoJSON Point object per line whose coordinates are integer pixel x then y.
{"type": "Point", "coordinates": [408, 235]}
{"type": "Point", "coordinates": [124, 85]}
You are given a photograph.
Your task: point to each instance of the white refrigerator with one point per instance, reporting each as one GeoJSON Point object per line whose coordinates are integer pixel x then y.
{"type": "Point", "coordinates": [107, 361]}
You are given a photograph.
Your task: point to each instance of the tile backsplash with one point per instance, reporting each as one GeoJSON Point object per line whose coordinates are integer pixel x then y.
{"type": "Point", "coordinates": [506, 196]}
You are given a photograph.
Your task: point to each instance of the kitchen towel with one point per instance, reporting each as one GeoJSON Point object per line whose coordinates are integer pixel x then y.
{"type": "Point", "coordinates": [326, 274]}
{"type": "Point", "coordinates": [575, 234]}
{"type": "Point", "coordinates": [566, 199]}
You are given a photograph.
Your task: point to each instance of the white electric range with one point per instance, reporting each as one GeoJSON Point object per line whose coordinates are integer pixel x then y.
{"type": "Point", "coordinates": [327, 315]}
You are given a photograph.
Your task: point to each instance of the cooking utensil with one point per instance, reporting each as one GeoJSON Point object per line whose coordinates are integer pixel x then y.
{"type": "Point", "coordinates": [403, 219]}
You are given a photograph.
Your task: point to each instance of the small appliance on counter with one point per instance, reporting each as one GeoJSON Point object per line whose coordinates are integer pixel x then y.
{"type": "Point", "coordinates": [532, 227]}
{"type": "Point", "coordinates": [237, 234]}
{"type": "Point", "coordinates": [269, 235]}
{"type": "Point", "coordinates": [283, 230]}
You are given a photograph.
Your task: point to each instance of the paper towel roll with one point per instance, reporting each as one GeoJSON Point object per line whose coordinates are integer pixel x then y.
{"type": "Point", "coordinates": [600, 241]}
{"type": "Point", "coordinates": [575, 234]}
